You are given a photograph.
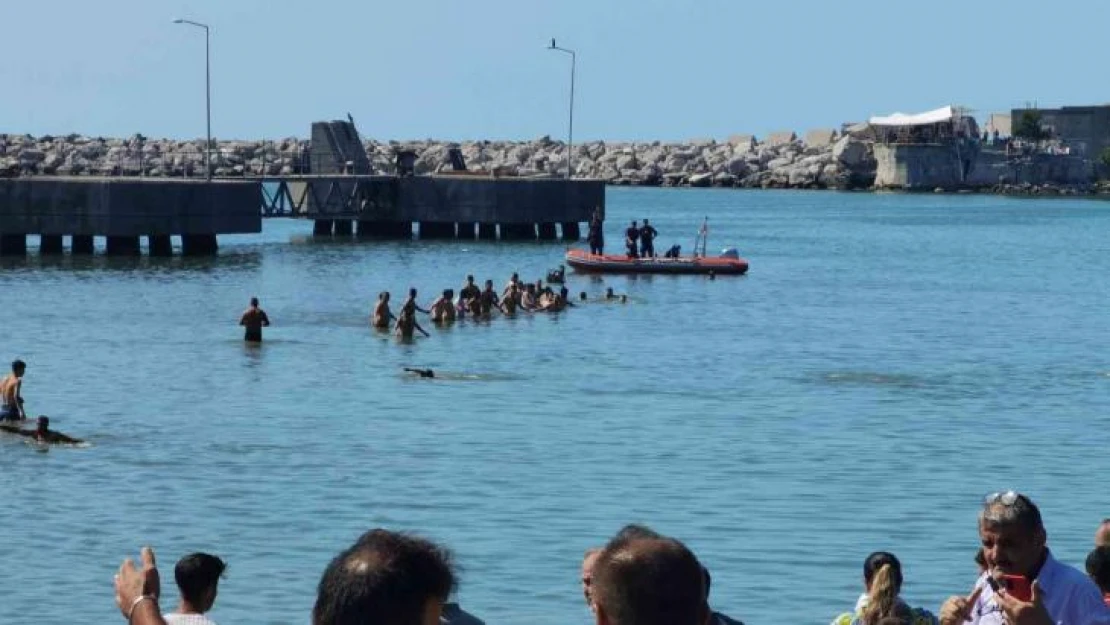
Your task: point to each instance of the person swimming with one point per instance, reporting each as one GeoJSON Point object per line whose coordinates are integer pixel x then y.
{"type": "Point", "coordinates": [42, 433]}
{"type": "Point", "coordinates": [424, 373]}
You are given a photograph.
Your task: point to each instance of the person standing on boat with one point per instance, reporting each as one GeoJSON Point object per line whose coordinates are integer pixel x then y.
{"type": "Point", "coordinates": [254, 319]}
{"type": "Point", "coordinates": [596, 234]}
{"type": "Point", "coordinates": [647, 240]}
{"type": "Point", "coordinates": [11, 399]}
{"type": "Point", "coordinates": [630, 237]}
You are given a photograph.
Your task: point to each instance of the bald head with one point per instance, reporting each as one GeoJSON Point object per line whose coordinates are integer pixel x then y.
{"type": "Point", "coordinates": [648, 581]}
{"type": "Point", "coordinates": [1102, 534]}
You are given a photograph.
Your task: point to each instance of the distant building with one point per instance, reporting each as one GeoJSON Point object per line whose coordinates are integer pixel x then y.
{"type": "Point", "coordinates": [1001, 122]}
{"type": "Point", "coordinates": [1085, 129]}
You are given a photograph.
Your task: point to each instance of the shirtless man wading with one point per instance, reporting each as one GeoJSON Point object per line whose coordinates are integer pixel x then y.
{"type": "Point", "coordinates": [410, 306]}
{"type": "Point", "coordinates": [254, 319]}
{"type": "Point", "coordinates": [11, 400]}
{"type": "Point", "coordinates": [382, 315]}
{"type": "Point", "coordinates": [443, 310]}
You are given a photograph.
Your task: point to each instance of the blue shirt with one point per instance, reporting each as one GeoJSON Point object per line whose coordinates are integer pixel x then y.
{"type": "Point", "coordinates": [1070, 597]}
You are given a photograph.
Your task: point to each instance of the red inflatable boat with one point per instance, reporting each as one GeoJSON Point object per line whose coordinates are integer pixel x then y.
{"type": "Point", "coordinates": [728, 263]}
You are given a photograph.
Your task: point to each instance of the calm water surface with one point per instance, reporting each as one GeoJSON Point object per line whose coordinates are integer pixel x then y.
{"type": "Point", "coordinates": [888, 360]}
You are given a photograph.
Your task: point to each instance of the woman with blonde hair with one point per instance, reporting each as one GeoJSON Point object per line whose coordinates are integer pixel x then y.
{"type": "Point", "coordinates": [880, 603]}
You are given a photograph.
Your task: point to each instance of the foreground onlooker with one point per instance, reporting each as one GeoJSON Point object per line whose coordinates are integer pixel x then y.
{"type": "Point", "coordinates": [882, 581]}
{"type": "Point", "coordinates": [197, 576]}
{"type": "Point", "coordinates": [1102, 534]}
{"type": "Point", "coordinates": [1098, 568]}
{"type": "Point", "coordinates": [648, 581]}
{"type": "Point", "coordinates": [1015, 544]}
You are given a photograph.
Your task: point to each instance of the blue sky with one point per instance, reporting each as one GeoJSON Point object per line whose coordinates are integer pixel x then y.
{"type": "Point", "coordinates": [453, 69]}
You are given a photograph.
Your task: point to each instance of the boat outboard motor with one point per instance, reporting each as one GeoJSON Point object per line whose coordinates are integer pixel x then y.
{"type": "Point", "coordinates": [730, 252]}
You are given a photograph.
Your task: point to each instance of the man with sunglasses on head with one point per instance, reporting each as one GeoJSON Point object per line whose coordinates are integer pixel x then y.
{"type": "Point", "coordinates": [1017, 556]}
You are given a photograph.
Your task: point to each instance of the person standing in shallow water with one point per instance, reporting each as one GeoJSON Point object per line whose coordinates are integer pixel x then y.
{"type": "Point", "coordinates": [254, 319]}
{"type": "Point", "coordinates": [382, 315]}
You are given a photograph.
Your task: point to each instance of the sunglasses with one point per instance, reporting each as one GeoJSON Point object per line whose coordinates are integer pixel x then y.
{"type": "Point", "coordinates": [1007, 498]}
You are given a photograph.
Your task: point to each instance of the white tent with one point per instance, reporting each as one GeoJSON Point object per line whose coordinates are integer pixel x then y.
{"type": "Point", "coordinates": [937, 116]}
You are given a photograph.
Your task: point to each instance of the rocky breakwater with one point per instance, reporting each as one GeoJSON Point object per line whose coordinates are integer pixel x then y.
{"type": "Point", "coordinates": [846, 163]}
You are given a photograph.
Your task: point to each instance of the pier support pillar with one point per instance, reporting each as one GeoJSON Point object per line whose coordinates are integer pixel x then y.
{"type": "Point", "coordinates": [375, 229]}
{"type": "Point", "coordinates": [13, 244]}
{"type": "Point", "coordinates": [466, 230]}
{"type": "Point", "coordinates": [344, 227]}
{"type": "Point", "coordinates": [571, 231]}
{"type": "Point", "coordinates": [160, 245]}
{"type": "Point", "coordinates": [199, 244]}
{"type": "Point", "coordinates": [51, 244]}
{"type": "Point", "coordinates": [322, 228]}
{"type": "Point", "coordinates": [82, 244]}
{"type": "Point", "coordinates": [122, 246]}
{"type": "Point", "coordinates": [437, 230]}
{"type": "Point", "coordinates": [518, 232]}
{"type": "Point", "coordinates": [400, 230]}
{"type": "Point", "coordinates": [547, 232]}
{"type": "Point", "coordinates": [487, 232]}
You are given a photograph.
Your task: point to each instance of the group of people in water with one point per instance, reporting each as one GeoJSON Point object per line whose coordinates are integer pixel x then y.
{"type": "Point", "coordinates": [479, 303]}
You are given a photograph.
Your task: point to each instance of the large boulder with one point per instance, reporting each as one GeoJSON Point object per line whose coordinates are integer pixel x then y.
{"type": "Point", "coordinates": [850, 152]}
{"type": "Point", "coordinates": [737, 166]}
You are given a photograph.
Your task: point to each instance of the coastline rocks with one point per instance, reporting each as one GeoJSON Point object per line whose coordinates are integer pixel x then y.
{"type": "Point", "coordinates": [846, 163]}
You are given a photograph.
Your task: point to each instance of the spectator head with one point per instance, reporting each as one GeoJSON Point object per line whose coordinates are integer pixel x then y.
{"type": "Point", "coordinates": [882, 576]}
{"type": "Point", "coordinates": [1013, 536]}
{"type": "Point", "coordinates": [197, 576]}
{"type": "Point", "coordinates": [587, 575]}
{"type": "Point", "coordinates": [1102, 534]}
{"type": "Point", "coordinates": [636, 530]}
{"type": "Point", "coordinates": [644, 580]}
{"type": "Point", "coordinates": [1098, 568]}
{"type": "Point", "coordinates": [385, 578]}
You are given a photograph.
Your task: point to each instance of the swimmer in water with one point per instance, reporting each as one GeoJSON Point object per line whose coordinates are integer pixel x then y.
{"type": "Point", "coordinates": [382, 315]}
{"type": "Point", "coordinates": [582, 296]}
{"type": "Point", "coordinates": [424, 373]}
{"type": "Point", "coordinates": [11, 397]}
{"type": "Point", "coordinates": [406, 323]}
{"type": "Point", "coordinates": [254, 319]}
{"type": "Point", "coordinates": [488, 300]}
{"type": "Point", "coordinates": [410, 306]}
{"type": "Point", "coordinates": [42, 433]}
{"type": "Point", "coordinates": [528, 297]}
{"type": "Point", "coordinates": [609, 294]}
{"type": "Point", "coordinates": [443, 311]}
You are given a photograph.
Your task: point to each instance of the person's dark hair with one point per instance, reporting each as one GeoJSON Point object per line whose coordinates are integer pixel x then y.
{"type": "Point", "coordinates": [636, 530]}
{"type": "Point", "coordinates": [254, 301]}
{"type": "Point", "coordinates": [649, 581]}
{"type": "Point", "coordinates": [883, 574]}
{"type": "Point", "coordinates": [1098, 567]}
{"type": "Point", "coordinates": [385, 577]}
{"type": "Point", "coordinates": [412, 292]}
{"type": "Point", "coordinates": [1021, 512]}
{"type": "Point", "coordinates": [470, 278]}
{"type": "Point", "coordinates": [446, 293]}
{"type": "Point", "coordinates": [196, 573]}
{"type": "Point", "coordinates": [981, 559]}
{"type": "Point", "coordinates": [43, 422]}
{"type": "Point", "coordinates": [18, 364]}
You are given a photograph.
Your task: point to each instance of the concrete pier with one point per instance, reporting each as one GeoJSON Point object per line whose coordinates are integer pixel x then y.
{"type": "Point", "coordinates": [547, 231]}
{"type": "Point", "coordinates": [199, 245]}
{"type": "Point", "coordinates": [322, 227]}
{"type": "Point", "coordinates": [82, 244]}
{"type": "Point", "coordinates": [51, 244]}
{"type": "Point", "coordinates": [572, 231]}
{"type": "Point", "coordinates": [376, 229]}
{"type": "Point", "coordinates": [437, 230]}
{"type": "Point", "coordinates": [518, 232]}
{"type": "Point", "coordinates": [123, 210]}
{"type": "Point", "coordinates": [13, 244]}
{"type": "Point", "coordinates": [487, 232]}
{"type": "Point", "coordinates": [160, 245]}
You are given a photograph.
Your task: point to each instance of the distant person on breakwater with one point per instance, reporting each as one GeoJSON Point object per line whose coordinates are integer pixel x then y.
{"type": "Point", "coordinates": [11, 396]}
{"type": "Point", "coordinates": [42, 433]}
{"type": "Point", "coordinates": [443, 310]}
{"type": "Point", "coordinates": [647, 240]}
{"type": "Point", "coordinates": [631, 235]}
{"type": "Point", "coordinates": [1098, 568]}
{"type": "Point", "coordinates": [1102, 534]}
{"type": "Point", "coordinates": [382, 315]}
{"type": "Point", "coordinates": [253, 320]}
{"type": "Point", "coordinates": [197, 576]}
{"type": "Point", "coordinates": [882, 581]}
{"type": "Point", "coordinates": [1015, 544]}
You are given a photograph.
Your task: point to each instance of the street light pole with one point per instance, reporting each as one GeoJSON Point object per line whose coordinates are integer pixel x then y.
{"type": "Point", "coordinates": [207, 93]}
{"type": "Point", "coordinates": [570, 130]}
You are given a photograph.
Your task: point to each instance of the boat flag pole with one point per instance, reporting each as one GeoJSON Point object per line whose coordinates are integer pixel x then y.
{"type": "Point", "coordinates": [704, 237]}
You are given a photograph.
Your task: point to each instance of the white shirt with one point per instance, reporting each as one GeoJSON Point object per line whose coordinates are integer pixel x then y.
{"type": "Point", "coordinates": [1070, 597]}
{"type": "Point", "coordinates": [187, 619]}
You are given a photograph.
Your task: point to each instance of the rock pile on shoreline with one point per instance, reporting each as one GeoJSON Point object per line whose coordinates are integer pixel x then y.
{"type": "Point", "coordinates": [847, 163]}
